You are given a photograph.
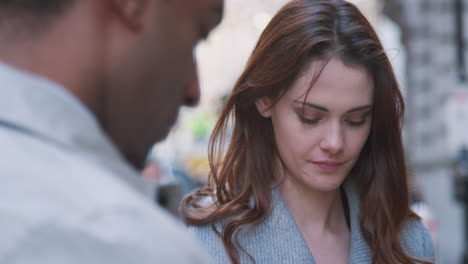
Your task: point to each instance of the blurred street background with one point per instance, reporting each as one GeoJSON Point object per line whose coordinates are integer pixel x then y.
{"type": "Point", "coordinates": [425, 40]}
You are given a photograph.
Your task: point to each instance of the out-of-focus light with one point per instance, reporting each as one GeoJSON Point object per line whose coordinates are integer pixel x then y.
{"type": "Point", "coordinates": [261, 20]}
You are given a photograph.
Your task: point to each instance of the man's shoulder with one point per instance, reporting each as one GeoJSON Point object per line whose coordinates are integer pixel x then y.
{"type": "Point", "coordinates": [45, 180]}
{"type": "Point", "coordinates": [32, 167]}
{"type": "Point", "coordinates": [59, 206]}
{"type": "Point", "coordinates": [122, 236]}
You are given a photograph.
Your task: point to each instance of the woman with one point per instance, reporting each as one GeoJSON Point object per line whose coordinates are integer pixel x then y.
{"type": "Point", "coordinates": [315, 169]}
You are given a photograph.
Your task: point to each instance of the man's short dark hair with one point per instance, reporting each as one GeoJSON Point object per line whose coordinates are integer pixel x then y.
{"type": "Point", "coordinates": [33, 12]}
{"type": "Point", "coordinates": [33, 7]}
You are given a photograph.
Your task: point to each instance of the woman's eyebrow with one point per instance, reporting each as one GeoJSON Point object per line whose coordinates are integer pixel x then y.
{"type": "Point", "coordinates": [324, 109]}
{"type": "Point", "coordinates": [360, 108]}
{"type": "Point", "coordinates": [318, 107]}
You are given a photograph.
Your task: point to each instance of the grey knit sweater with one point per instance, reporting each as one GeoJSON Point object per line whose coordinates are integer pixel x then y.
{"type": "Point", "coordinates": [279, 240]}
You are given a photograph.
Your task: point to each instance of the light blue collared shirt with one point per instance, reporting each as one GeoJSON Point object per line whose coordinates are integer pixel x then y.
{"type": "Point", "coordinates": [66, 193]}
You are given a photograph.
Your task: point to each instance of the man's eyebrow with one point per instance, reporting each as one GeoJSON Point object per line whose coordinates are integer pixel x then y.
{"type": "Point", "coordinates": [216, 12]}
{"type": "Point", "coordinates": [324, 109]}
{"type": "Point", "coordinates": [219, 10]}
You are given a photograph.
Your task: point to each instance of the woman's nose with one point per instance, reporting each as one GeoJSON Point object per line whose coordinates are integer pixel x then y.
{"type": "Point", "coordinates": [333, 139]}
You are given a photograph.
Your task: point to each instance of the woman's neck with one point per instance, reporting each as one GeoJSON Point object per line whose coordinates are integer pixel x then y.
{"type": "Point", "coordinates": [316, 213]}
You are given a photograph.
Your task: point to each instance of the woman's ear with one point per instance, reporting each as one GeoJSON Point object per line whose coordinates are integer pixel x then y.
{"type": "Point", "coordinates": [264, 107]}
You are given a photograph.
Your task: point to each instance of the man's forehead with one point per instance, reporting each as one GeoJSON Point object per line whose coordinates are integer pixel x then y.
{"type": "Point", "coordinates": [212, 7]}
{"type": "Point", "coordinates": [212, 3]}
{"type": "Point", "coordinates": [209, 14]}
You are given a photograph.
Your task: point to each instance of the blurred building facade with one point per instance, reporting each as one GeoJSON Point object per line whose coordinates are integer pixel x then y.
{"type": "Point", "coordinates": [436, 93]}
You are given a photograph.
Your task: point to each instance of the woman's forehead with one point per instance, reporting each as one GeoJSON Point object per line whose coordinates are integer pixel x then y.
{"type": "Point", "coordinates": [333, 81]}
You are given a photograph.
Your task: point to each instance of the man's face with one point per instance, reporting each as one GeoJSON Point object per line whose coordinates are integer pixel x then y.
{"type": "Point", "coordinates": [157, 74]}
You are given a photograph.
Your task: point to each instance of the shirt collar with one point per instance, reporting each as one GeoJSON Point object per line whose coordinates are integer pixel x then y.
{"type": "Point", "coordinates": [41, 106]}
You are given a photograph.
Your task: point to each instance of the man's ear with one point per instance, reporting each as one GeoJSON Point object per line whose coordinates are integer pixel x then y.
{"type": "Point", "coordinates": [131, 12]}
{"type": "Point", "coordinates": [264, 107]}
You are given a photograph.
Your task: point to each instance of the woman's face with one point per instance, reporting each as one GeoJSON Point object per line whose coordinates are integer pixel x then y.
{"type": "Point", "coordinates": [320, 140]}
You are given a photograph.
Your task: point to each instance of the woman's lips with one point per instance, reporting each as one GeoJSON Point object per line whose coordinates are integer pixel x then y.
{"type": "Point", "coordinates": [328, 166]}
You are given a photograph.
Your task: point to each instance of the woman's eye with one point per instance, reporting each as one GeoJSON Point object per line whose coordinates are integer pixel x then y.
{"type": "Point", "coordinates": [356, 123]}
{"type": "Point", "coordinates": [308, 120]}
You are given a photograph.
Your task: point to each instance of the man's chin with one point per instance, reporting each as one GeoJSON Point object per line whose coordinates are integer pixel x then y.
{"type": "Point", "coordinates": [164, 133]}
{"type": "Point", "coordinates": [138, 161]}
{"type": "Point", "coordinates": [137, 157]}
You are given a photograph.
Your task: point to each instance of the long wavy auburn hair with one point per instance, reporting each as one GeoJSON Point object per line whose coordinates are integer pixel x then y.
{"type": "Point", "coordinates": [301, 32]}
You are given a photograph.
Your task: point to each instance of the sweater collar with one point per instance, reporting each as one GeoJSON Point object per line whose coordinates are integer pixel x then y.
{"type": "Point", "coordinates": [359, 250]}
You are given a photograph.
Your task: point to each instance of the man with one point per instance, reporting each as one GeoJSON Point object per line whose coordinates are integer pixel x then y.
{"type": "Point", "coordinates": [87, 86]}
